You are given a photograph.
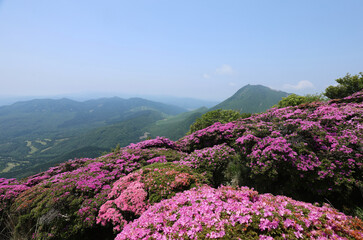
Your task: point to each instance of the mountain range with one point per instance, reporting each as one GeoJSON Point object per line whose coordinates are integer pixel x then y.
{"type": "Point", "coordinates": [40, 133]}
{"type": "Point", "coordinates": [288, 173]}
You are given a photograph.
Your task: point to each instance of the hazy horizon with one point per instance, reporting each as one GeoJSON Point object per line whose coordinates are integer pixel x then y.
{"type": "Point", "coordinates": [194, 49]}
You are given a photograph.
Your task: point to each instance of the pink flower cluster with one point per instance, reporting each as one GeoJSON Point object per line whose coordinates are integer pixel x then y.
{"type": "Point", "coordinates": [128, 197]}
{"type": "Point", "coordinates": [307, 151]}
{"type": "Point", "coordinates": [157, 142]}
{"type": "Point", "coordinates": [215, 134]}
{"type": "Point", "coordinates": [131, 195]}
{"type": "Point", "coordinates": [9, 190]}
{"type": "Point", "coordinates": [206, 213]}
{"type": "Point", "coordinates": [210, 158]}
{"type": "Point", "coordinates": [317, 146]}
{"type": "Point", "coordinates": [160, 159]}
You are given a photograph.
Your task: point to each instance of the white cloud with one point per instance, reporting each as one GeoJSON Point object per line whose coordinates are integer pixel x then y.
{"type": "Point", "coordinates": [206, 76]}
{"type": "Point", "coordinates": [231, 84]}
{"type": "Point", "coordinates": [224, 70]}
{"type": "Point", "coordinates": [300, 86]}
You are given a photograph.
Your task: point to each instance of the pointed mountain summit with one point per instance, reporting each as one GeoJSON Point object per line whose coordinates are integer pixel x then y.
{"type": "Point", "coordinates": [252, 99]}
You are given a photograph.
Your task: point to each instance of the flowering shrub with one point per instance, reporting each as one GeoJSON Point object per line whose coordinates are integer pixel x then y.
{"type": "Point", "coordinates": [211, 160]}
{"type": "Point", "coordinates": [128, 200]}
{"type": "Point", "coordinates": [9, 189]}
{"type": "Point", "coordinates": [215, 134]}
{"type": "Point", "coordinates": [312, 152]}
{"type": "Point", "coordinates": [131, 195]}
{"type": "Point", "coordinates": [71, 199]}
{"type": "Point", "coordinates": [158, 142]}
{"type": "Point", "coordinates": [228, 213]}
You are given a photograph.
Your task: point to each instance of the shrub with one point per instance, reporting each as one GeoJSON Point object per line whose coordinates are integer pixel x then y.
{"type": "Point", "coordinates": [213, 161]}
{"type": "Point", "coordinates": [295, 100]}
{"type": "Point", "coordinates": [131, 195]}
{"type": "Point", "coordinates": [228, 213]}
{"type": "Point", "coordinates": [67, 198]}
{"type": "Point", "coordinates": [215, 134]}
{"type": "Point", "coordinates": [311, 152]}
{"type": "Point", "coordinates": [346, 86]}
{"type": "Point", "coordinates": [211, 117]}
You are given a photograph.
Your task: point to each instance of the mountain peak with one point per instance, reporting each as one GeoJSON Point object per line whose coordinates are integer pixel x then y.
{"type": "Point", "coordinates": [252, 99]}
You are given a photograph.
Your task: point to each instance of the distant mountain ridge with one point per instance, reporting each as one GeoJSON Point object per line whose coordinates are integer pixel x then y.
{"type": "Point", "coordinates": [187, 103]}
{"type": "Point", "coordinates": [64, 114]}
{"type": "Point", "coordinates": [252, 99]}
{"type": "Point", "coordinates": [40, 131]}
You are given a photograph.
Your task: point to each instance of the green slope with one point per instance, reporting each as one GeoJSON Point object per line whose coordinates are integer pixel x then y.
{"type": "Point", "coordinates": [252, 99]}
{"type": "Point", "coordinates": [89, 144]}
{"type": "Point", "coordinates": [92, 143]}
{"type": "Point", "coordinates": [41, 131]}
{"type": "Point", "coordinates": [175, 127]}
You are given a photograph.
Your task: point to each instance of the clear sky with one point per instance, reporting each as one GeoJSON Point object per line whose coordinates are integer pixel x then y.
{"type": "Point", "coordinates": [202, 49]}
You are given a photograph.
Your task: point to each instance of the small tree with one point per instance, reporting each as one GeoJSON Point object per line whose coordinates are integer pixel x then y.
{"type": "Point", "coordinates": [219, 115]}
{"type": "Point", "coordinates": [294, 100]}
{"type": "Point", "coordinates": [347, 86]}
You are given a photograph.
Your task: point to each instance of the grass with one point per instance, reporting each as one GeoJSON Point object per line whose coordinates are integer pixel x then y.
{"type": "Point", "coordinates": [9, 167]}
{"type": "Point", "coordinates": [32, 148]}
{"type": "Point", "coordinates": [41, 142]}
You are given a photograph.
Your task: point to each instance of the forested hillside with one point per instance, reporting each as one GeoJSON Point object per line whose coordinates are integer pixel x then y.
{"type": "Point", "coordinates": [37, 134]}
{"type": "Point", "coordinates": [288, 173]}
{"type": "Point", "coordinates": [252, 99]}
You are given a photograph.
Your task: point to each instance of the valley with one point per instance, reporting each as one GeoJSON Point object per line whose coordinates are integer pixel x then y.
{"type": "Point", "coordinates": [41, 133]}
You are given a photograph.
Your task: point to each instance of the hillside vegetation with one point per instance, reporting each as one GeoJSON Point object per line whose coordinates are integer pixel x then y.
{"type": "Point", "coordinates": [37, 134]}
{"type": "Point", "coordinates": [252, 99]}
{"type": "Point", "coordinates": [288, 173]}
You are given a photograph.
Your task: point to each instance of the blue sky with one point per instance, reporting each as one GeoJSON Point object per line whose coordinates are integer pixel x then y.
{"type": "Point", "coordinates": [202, 49]}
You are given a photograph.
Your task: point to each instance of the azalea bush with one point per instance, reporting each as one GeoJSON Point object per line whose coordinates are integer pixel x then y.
{"type": "Point", "coordinates": [311, 152]}
{"type": "Point", "coordinates": [131, 195]}
{"type": "Point", "coordinates": [66, 201]}
{"type": "Point", "coordinates": [211, 117]}
{"type": "Point", "coordinates": [215, 134]}
{"type": "Point", "coordinates": [159, 142]}
{"type": "Point", "coordinates": [229, 213]}
{"type": "Point", "coordinates": [70, 196]}
{"type": "Point", "coordinates": [212, 161]}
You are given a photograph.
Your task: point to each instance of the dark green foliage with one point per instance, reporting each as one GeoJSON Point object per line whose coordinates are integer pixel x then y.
{"type": "Point", "coordinates": [295, 100]}
{"type": "Point", "coordinates": [164, 180]}
{"type": "Point", "coordinates": [252, 99]}
{"type": "Point", "coordinates": [44, 164]}
{"type": "Point", "coordinates": [209, 118]}
{"type": "Point", "coordinates": [90, 143]}
{"type": "Point", "coordinates": [347, 86]}
{"type": "Point", "coordinates": [175, 127]}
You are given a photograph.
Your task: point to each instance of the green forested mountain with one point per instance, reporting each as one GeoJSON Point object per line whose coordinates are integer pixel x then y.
{"type": "Point", "coordinates": [252, 99]}
{"type": "Point", "coordinates": [36, 117]}
{"type": "Point", "coordinates": [37, 134]}
{"type": "Point", "coordinates": [175, 127]}
{"type": "Point", "coordinates": [92, 143]}
{"type": "Point", "coordinates": [43, 131]}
